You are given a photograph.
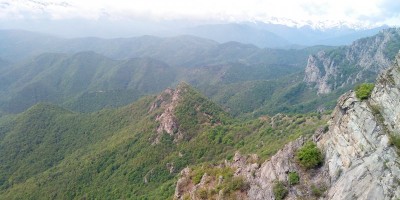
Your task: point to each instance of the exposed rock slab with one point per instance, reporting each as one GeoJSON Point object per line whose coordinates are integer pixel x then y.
{"type": "Point", "coordinates": [359, 160]}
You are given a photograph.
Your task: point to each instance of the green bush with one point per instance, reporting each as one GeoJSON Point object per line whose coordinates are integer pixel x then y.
{"type": "Point", "coordinates": [280, 190]}
{"type": "Point", "coordinates": [309, 156]}
{"type": "Point", "coordinates": [364, 90]}
{"type": "Point", "coordinates": [293, 178]}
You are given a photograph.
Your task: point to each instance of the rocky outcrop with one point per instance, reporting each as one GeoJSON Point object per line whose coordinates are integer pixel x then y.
{"type": "Point", "coordinates": [278, 169]}
{"type": "Point", "coordinates": [168, 123]}
{"type": "Point", "coordinates": [361, 61]}
{"type": "Point", "coordinates": [243, 167]}
{"type": "Point", "coordinates": [182, 112]}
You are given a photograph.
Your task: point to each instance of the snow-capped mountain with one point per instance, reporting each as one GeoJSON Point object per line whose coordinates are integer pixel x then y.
{"type": "Point", "coordinates": [73, 18]}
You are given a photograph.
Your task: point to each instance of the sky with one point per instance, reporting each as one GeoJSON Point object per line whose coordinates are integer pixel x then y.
{"type": "Point", "coordinates": [364, 12]}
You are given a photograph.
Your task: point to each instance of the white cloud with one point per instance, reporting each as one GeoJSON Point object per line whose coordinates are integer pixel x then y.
{"type": "Point", "coordinates": [353, 11]}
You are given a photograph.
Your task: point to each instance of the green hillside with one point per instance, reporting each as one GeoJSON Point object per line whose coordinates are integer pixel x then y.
{"type": "Point", "coordinates": [69, 129]}
{"type": "Point", "coordinates": [88, 74]}
{"type": "Point", "coordinates": [53, 153]}
{"type": "Point", "coordinates": [60, 78]}
{"type": "Point", "coordinates": [87, 81]}
{"type": "Point", "coordinates": [179, 51]}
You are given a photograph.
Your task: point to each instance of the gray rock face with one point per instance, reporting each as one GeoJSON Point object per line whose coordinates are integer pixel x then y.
{"type": "Point", "coordinates": [320, 68]}
{"type": "Point", "coordinates": [359, 161]}
{"type": "Point", "coordinates": [385, 97]}
{"type": "Point", "coordinates": [361, 61]}
{"type": "Point", "coordinates": [168, 101]}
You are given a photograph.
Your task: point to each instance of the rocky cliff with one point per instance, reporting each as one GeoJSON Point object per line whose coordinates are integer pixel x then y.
{"type": "Point", "coordinates": [360, 148]}
{"type": "Point", "coordinates": [168, 122]}
{"type": "Point", "coordinates": [361, 61]}
{"type": "Point", "coordinates": [360, 161]}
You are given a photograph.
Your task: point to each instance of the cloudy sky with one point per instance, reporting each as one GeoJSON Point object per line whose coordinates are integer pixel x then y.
{"type": "Point", "coordinates": [367, 12]}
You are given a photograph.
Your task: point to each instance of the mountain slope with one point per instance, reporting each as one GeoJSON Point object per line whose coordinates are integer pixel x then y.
{"type": "Point", "coordinates": [358, 157]}
{"type": "Point", "coordinates": [178, 51]}
{"type": "Point", "coordinates": [88, 149]}
{"type": "Point", "coordinates": [130, 152]}
{"type": "Point", "coordinates": [20, 45]}
{"type": "Point", "coordinates": [88, 81]}
{"type": "Point", "coordinates": [242, 78]}
{"type": "Point", "coordinates": [61, 78]}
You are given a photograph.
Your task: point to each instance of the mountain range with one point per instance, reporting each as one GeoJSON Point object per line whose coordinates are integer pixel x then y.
{"type": "Point", "coordinates": [245, 79]}
{"type": "Point", "coordinates": [134, 67]}
{"type": "Point", "coordinates": [185, 117]}
{"type": "Point", "coordinates": [273, 35]}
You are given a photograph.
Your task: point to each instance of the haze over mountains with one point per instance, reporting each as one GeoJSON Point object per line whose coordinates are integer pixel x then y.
{"type": "Point", "coordinates": [281, 36]}
{"type": "Point", "coordinates": [259, 34]}
{"type": "Point", "coordinates": [199, 99]}
{"type": "Point", "coordinates": [148, 65]}
{"type": "Point", "coordinates": [243, 78]}
{"type": "Point", "coordinates": [71, 147]}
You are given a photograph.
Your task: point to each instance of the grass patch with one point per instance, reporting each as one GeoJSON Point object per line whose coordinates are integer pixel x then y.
{"type": "Point", "coordinates": [280, 190]}
{"type": "Point", "coordinates": [294, 178]}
